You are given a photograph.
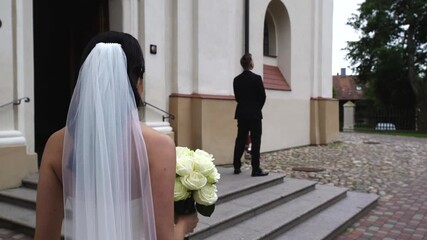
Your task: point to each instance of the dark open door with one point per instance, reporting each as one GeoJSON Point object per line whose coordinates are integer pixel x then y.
{"type": "Point", "coordinates": [61, 31]}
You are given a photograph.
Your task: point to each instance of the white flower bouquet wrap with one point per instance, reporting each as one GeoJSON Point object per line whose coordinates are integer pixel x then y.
{"type": "Point", "coordinates": [195, 182]}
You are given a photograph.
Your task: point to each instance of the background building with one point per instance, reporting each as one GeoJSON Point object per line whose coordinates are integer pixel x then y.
{"type": "Point", "coordinates": [346, 88]}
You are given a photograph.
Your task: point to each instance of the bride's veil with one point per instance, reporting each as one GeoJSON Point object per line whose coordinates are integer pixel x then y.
{"type": "Point", "coordinates": [107, 190]}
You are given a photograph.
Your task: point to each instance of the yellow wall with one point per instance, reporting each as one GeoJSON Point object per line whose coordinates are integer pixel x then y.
{"type": "Point", "coordinates": [208, 123]}
{"type": "Point", "coordinates": [324, 120]}
{"type": "Point", "coordinates": [205, 123]}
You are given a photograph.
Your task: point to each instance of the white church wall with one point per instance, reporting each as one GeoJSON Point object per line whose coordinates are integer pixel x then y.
{"type": "Point", "coordinates": [326, 48]}
{"type": "Point", "coordinates": [220, 45]}
{"type": "Point", "coordinates": [6, 66]}
{"type": "Point", "coordinates": [210, 42]}
{"type": "Point", "coordinates": [25, 71]}
{"type": "Point", "coordinates": [184, 48]}
{"type": "Point", "coordinates": [16, 67]}
{"type": "Point", "coordinates": [17, 158]}
{"type": "Point", "coordinates": [157, 71]}
{"type": "Point", "coordinates": [208, 46]}
{"type": "Point", "coordinates": [199, 44]}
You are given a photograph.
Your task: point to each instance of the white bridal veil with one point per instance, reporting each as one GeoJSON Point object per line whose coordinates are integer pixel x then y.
{"type": "Point", "coordinates": [107, 190]}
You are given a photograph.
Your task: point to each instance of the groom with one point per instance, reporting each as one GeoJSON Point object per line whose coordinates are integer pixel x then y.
{"type": "Point", "coordinates": [250, 96]}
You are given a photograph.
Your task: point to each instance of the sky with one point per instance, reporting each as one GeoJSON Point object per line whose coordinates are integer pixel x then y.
{"type": "Point", "coordinates": [342, 33]}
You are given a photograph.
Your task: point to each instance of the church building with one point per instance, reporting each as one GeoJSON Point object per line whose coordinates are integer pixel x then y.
{"type": "Point", "coordinates": [192, 50]}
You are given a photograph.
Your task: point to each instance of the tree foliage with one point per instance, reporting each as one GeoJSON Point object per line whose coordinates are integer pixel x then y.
{"type": "Point", "coordinates": [391, 55]}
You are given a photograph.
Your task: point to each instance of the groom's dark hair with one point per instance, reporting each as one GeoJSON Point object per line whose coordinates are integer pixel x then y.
{"type": "Point", "coordinates": [246, 60]}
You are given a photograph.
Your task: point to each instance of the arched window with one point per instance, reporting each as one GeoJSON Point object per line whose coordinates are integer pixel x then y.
{"type": "Point", "coordinates": [277, 47]}
{"type": "Point", "coordinates": [270, 39]}
{"type": "Point", "coordinates": [266, 39]}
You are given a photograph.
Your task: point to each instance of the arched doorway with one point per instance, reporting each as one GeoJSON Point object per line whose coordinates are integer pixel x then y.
{"type": "Point", "coordinates": [61, 31]}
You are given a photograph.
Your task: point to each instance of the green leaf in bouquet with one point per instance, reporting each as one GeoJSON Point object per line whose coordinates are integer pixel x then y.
{"type": "Point", "coordinates": [205, 210]}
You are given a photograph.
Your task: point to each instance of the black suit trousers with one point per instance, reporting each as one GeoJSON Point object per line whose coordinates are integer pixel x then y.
{"type": "Point", "coordinates": [244, 127]}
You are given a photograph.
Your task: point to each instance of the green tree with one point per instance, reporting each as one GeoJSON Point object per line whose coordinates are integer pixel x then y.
{"type": "Point", "coordinates": [391, 55]}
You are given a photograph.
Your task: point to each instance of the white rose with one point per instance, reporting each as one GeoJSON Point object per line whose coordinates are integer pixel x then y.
{"type": "Point", "coordinates": [200, 154]}
{"type": "Point", "coordinates": [203, 165]}
{"type": "Point", "coordinates": [207, 195]}
{"type": "Point", "coordinates": [194, 181]}
{"type": "Point", "coordinates": [184, 165]}
{"type": "Point", "coordinates": [183, 151]}
{"type": "Point", "coordinates": [213, 176]}
{"type": "Point", "coordinates": [179, 191]}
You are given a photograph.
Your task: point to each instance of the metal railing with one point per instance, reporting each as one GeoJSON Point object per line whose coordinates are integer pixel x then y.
{"type": "Point", "coordinates": [169, 115]}
{"type": "Point", "coordinates": [16, 102]}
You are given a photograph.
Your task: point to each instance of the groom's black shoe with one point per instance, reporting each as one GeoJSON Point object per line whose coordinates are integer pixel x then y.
{"type": "Point", "coordinates": [237, 171]}
{"type": "Point", "coordinates": [259, 173]}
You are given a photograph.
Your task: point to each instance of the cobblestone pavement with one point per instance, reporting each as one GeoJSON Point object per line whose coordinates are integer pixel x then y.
{"type": "Point", "coordinates": [393, 167]}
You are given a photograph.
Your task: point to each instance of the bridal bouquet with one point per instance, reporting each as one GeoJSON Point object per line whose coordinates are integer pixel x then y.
{"type": "Point", "coordinates": [195, 182]}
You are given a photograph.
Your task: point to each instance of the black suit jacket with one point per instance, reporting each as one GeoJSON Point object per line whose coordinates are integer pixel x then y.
{"type": "Point", "coordinates": [250, 95]}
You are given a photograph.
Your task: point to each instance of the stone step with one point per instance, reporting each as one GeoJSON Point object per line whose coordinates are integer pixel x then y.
{"type": "Point", "coordinates": [31, 181]}
{"type": "Point", "coordinates": [18, 218]}
{"type": "Point", "coordinates": [22, 200]}
{"type": "Point", "coordinates": [226, 187]}
{"type": "Point", "coordinates": [232, 186]}
{"type": "Point", "coordinates": [24, 197]}
{"type": "Point", "coordinates": [248, 208]}
{"type": "Point", "coordinates": [329, 223]}
{"type": "Point", "coordinates": [273, 222]}
{"type": "Point", "coordinates": [229, 187]}
{"type": "Point", "coordinates": [239, 209]}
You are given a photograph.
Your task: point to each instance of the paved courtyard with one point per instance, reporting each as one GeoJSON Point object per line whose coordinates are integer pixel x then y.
{"type": "Point", "coordinates": [371, 163]}
{"type": "Point", "coordinates": [393, 167]}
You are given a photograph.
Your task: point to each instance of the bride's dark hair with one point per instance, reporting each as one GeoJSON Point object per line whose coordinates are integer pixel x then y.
{"type": "Point", "coordinates": [133, 51]}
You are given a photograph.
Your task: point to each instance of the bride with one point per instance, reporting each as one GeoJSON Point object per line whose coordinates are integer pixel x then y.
{"type": "Point", "coordinates": [105, 175]}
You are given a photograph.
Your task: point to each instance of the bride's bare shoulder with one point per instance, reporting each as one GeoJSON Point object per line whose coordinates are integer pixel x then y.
{"type": "Point", "coordinates": [162, 159]}
{"type": "Point", "coordinates": [157, 141]}
{"type": "Point", "coordinates": [52, 153]}
{"type": "Point", "coordinates": [55, 142]}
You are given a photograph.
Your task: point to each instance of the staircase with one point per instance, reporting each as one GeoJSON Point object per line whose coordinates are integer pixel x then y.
{"type": "Point", "coordinates": [17, 206]}
{"type": "Point", "coordinates": [271, 207]}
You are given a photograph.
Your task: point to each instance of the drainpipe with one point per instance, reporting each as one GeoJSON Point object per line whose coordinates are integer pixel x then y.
{"type": "Point", "coordinates": [246, 26]}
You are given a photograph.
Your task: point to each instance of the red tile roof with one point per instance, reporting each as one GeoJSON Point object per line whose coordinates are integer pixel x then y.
{"type": "Point", "coordinates": [346, 88]}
